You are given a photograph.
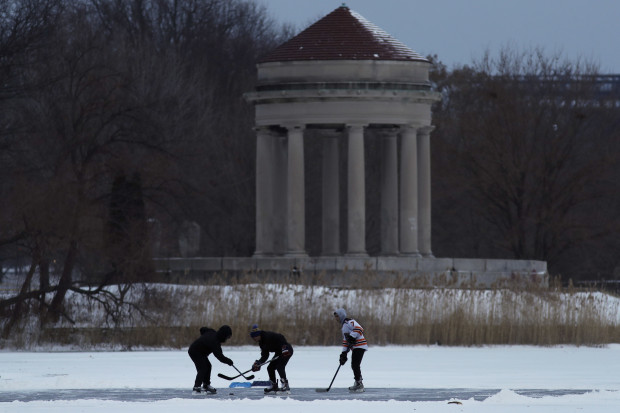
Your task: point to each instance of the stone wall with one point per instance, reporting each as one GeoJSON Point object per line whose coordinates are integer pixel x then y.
{"type": "Point", "coordinates": [345, 271]}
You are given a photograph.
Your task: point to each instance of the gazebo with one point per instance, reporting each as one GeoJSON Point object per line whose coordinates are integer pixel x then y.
{"type": "Point", "coordinates": [336, 87]}
{"type": "Point", "coordinates": [346, 78]}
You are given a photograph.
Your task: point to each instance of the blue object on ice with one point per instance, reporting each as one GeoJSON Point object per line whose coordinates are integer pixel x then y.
{"type": "Point", "coordinates": [240, 384]}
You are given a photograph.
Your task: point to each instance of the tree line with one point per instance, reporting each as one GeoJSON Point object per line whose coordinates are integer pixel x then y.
{"type": "Point", "coordinates": [122, 124]}
{"type": "Point", "coordinates": [526, 162]}
{"type": "Point", "coordinates": [120, 119]}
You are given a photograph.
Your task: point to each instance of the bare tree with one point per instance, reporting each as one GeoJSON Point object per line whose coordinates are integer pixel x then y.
{"type": "Point", "coordinates": [126, 89]}
{"type": "Point", "coordinates": [527, 145]}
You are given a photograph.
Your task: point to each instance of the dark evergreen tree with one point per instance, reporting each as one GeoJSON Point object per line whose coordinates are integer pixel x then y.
{"type": "Point", "coordinates": [127, 235]}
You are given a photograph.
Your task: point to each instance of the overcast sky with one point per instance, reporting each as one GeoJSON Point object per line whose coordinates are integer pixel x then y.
{"type": "Point", "coordinates": [460, 30]}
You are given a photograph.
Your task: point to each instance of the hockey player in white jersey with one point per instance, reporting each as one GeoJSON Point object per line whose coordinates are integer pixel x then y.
{"type": "Point", "coordinates": [352, 339]}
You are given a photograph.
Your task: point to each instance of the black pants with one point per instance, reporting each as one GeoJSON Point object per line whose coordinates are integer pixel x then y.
{"type": "Point", "coordinates": [203, 368]}
{"type": "Point", "coordinates": [356, 361]}
{"type": "Point", "coordinates": [279, 365]}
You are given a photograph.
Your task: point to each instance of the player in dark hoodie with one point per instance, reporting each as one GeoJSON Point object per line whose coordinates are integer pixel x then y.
{"type": "Point", "coordinates": [209, 342]}
{"type": "Point", "coordinates": [276, 343]}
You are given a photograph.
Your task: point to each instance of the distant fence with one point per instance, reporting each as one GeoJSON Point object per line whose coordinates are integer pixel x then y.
{"type": "Point", "coordinates": [605, 285]}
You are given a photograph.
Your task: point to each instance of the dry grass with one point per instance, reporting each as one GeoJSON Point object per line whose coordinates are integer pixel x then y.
{"type": "Point", "coordinates": [401, 313]}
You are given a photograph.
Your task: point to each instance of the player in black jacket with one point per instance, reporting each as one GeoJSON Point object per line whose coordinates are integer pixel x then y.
{"type": "Point", "coordinates": [276, 343]}
{"type": "Point", "coordinates": [209, 342]}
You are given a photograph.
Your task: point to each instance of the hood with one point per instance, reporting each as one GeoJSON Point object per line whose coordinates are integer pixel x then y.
{"type": "Point", "coordinates": [342, 314]}
{"type": "Point", "coordinates": [224, 333]}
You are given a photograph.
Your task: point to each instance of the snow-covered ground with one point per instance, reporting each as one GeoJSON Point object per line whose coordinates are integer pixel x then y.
{"type": "Point", "coordinates": [591, 376]}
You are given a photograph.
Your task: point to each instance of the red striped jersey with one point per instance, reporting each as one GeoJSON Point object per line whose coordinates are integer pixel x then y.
{"type": "Point", "coordinates": [352, 328]}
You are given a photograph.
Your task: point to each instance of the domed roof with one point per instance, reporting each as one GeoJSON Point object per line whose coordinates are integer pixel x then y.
{"type": "Point", "coordinates": [342, 35]}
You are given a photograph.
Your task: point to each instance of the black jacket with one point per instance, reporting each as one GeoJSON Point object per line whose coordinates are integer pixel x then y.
{"type": "Point", "coordinates": [271, 342]}
{"type": "Point", "coordinates": [210, 342]}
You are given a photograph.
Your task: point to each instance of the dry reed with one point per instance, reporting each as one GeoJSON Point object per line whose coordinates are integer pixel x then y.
{"type": "Point", "coordinates": [400, 313]}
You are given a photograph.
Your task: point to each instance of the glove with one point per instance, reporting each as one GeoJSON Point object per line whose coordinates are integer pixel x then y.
{"type": "Point", "coordinates": [256, 366]}
{"type": "Point", "coordinates": [229, 362]}
{"type": "Point", "coordinates": [343, 358]}
{"type": "Point", "coordinates": [351, 340]}
{"type": "Point", "coordinates": [286, 352]}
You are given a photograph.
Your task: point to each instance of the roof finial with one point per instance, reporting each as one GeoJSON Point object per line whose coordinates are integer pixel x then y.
{"type": "Point", "coordinates": [344, 5]}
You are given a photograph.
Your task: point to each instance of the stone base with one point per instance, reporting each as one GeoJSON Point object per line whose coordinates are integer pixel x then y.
{"type": "Point", "coordinates": [348, 271]}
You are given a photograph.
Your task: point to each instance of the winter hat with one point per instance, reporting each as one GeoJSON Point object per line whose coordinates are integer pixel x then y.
{"type": "Point", "coordinates": [224, 333]}
{"type": "Point", "coordinates": [255, 331]}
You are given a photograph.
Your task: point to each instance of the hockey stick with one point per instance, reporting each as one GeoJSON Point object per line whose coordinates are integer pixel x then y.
{"type": "Point", "coordinates": [247, 371]}
{"type": "Point", "coordinates": [250, 377]}
{"type": "Point", "coordinates": [330, 384]}
{"type": "Point", "coordinates": [234, 377]}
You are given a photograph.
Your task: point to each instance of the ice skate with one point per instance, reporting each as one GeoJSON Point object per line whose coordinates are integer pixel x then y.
{"type": "Point", "coordinates": [284, 389]}
{"type": "Point", "coordinates": [273, 387]}
{"type": "Point", "coordinates": [358, 387]}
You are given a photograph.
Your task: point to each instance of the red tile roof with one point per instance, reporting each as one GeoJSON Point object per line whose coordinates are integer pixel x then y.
{"type": "Point", "coordinates": [342, 35]}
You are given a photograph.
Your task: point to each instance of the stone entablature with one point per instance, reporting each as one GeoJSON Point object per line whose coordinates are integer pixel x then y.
{"type": "Point", "coordinates": [371, 71]}
{"type": "Point", "coordinates": [343, 92]}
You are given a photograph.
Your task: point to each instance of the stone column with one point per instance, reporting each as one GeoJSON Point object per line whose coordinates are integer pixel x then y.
{"type": "Point", "coordinates": [280, 194]}
{"type": "Point", "coordinates": [264, 192]}
{"type": "Point", "coordinates": [409, 191]}
{"type": "Point", "coordinates": [389, 192]}
{"type": "Point", "coordinates": [296, 231]}
{"type": "Point", "coordinates": [424, 188]}
{"type": "Point", "coordinates": [356, 192]}
{"type": "Point", "coordinates": [331, 195]}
